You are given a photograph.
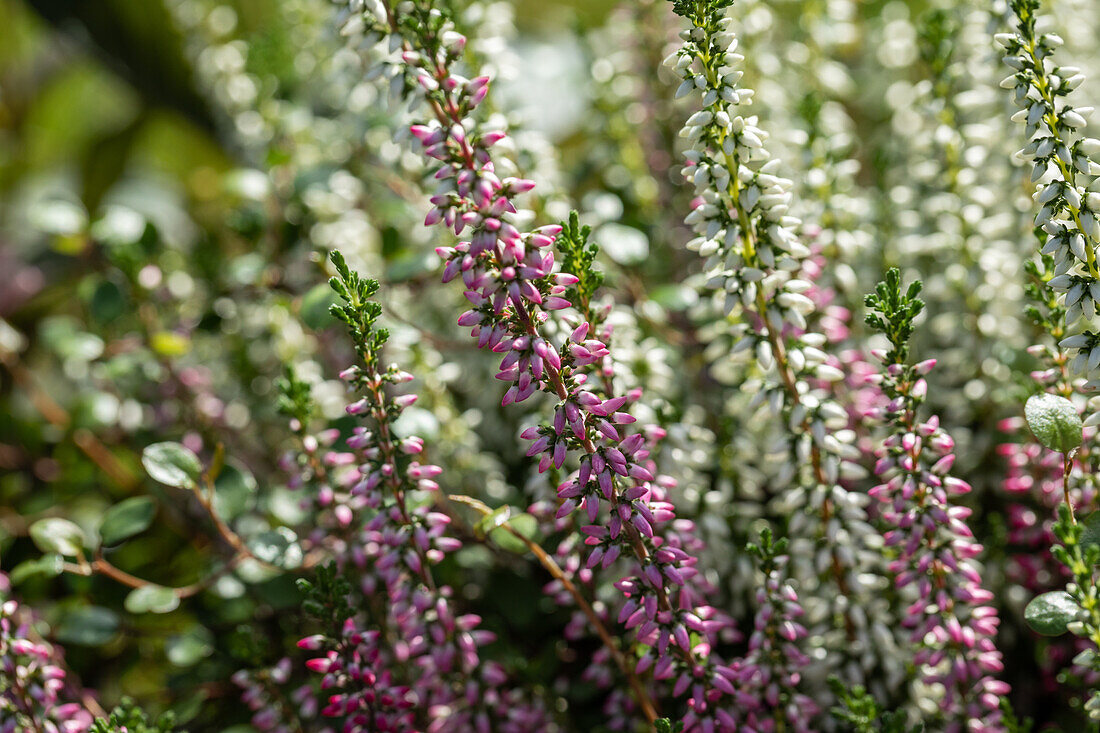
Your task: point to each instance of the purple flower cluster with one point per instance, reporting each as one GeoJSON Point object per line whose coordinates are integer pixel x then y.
{"type": "Point", "coordinates": [32, 679]}
{"type": "Point", "coordinates": [262, 691]}
{"type": "Point", "coordinates": [509, 280]}
{"type": "Point", "coordinates": [407, 658]}
{"type": "Point", "coordinates": [770, 673]}
{"type": "Point", "coordinates": [953, 624]}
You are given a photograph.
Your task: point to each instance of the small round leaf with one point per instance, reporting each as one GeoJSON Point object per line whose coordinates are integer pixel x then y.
{"type": "Point", "coordinates": [1049, 613]}
{"type": "Point", "coordinates": [50, 566]}
{"type": "Point", "coordinates": [315, 305]}
{"type": "Point", "coordinates": [234, 491]}
{"type": "Point", "coordinates": [151, 599]}
{"type": "Point", "coordinates": [190, 647]}
{"type": "Point", "coordinates": [172, 465]}
{"type": "Point", "coordinates": [277, 547]}
{"type": "Point", "coordinates": [1054, 421]}
{"type": "Point", "coordinates": [88, 626]}
{"type": "Point", "coordinates": [57, 535]}
{"type": "Point", "coordinates": [127, 518]}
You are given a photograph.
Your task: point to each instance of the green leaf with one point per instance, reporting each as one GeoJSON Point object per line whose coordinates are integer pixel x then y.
{"type": "Point", "coordinates": [315, 306]}
{"type": "Point", "coordinates": [127, 518]}
{"type": "Point", "coordinates": [151, 599]}
{"type": "Point", "coordinates": [172, 465]}
{"type": "Point", "coordinates": [57, 535]}
{"type": "Point", "coordinates": [88, 626]}
{"type": "Point", "coordinates": [108, 302]}
{"type": "Point", "coordinates": [277, 547]}
{"type": "Point", "coordinates": [1054, 421]}
{"type": "Point", "coordinates": [234, 490]}
{"type": "Point", "coordinates": [491, 521]}
{"type": "Point", "coordinates": [188, 648]}
{"type": "Point", "coordinates": [1090, 530]}
{"type": "Point", "coordinates": [1049, 613]}
{"type": "Point", "coordinates": [48, 565]}
{"type": "Point", "coordinates": [525, 524]}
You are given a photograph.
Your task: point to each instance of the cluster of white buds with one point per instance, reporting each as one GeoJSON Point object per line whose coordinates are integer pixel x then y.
{"type": "Point", "coordinates": [1064, 166]}
{"type": "Point", "coordinates": [755, 257]}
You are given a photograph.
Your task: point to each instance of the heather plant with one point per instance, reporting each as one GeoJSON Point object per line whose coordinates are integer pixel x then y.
{"type": "Point", "coordinates": [472, 365]}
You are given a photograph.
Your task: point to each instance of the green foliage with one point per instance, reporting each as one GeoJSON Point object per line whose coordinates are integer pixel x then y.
{"type": "Point", "coordinates": [172, 465]}
{"type": "Point", "coordinates": [1011, 722]}
{"type": "Point", "coordinates": [579, 258]}
{"type": "Point", "coordinates": [1077, 610]}
{"type": "Point", "coordinates": [127, 717]}
{"type": "Point", "coordinates": [699, 8]}
{"type": "Point", "coordinates": [1046, 308]}
{"type": "Point", "coordinates": [1090, 533]}
{"type": "Point", "coordinates": [127, 518]}
{"type": "Point", "coordinates": [1050, 613]}
{"type": "Point", "coordinates": [938, 32]}
{"type": "Point", "coordinates": [295, 397]}
{"type": "Point", "coordinates": [893, 312]}
{"type": "Point", "coordinates": [152, 599]}
{"type": "Point", "coordinates": [358, 311]}
{"type": "Point", "coordinates": [58, 535]}
{"type": "Point", "coordinates": [234, 490]}
{"type": "Point", "coordinates": [497, 523]}
{"type": "Point", "coordinates": [767, 548]}
{"type": "Point", "coordinates": [88, 626]}
{"type": "Point", "coordinates": [49, 565]}
{"type": "Point", "coordinates": [1054, 421]}
{"type": "Point", "coordinates": [326, 596]}
{"type": "Point", "coordinates": [664, 725]}
{"type": "Point", "coordinates": [859, 712]}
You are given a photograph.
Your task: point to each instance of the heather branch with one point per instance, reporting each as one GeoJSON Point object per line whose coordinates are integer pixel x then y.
{"type": "Point", "coordinates": [950, 618]}
{"type": "Point", "coordinates": [755, 258]}
{"type": "Point", "coordinates": [1060, 154]}
{"type": "Point", "coordinates": [511, 282]}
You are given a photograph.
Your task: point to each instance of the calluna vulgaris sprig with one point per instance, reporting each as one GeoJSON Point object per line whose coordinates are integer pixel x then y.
{"type": "Point", "coordinates": [414, 661]}
{"type": "Point", "coordinates": [952, 621]}
{"type": "Point", "coordinates": [772, 669]}
{"type": "Point", "coordinates": [754, 256]}
{"type": "Point", "coordinates": [1063, 161]}
{"type": "Point", "coordinates": [510, 279]}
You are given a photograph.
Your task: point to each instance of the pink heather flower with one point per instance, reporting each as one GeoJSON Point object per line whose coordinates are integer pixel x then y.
{"type": "Point", "coordinates": [424, 672]}
{"type": "Point", "coordinates": [766, 680]}
{"type": "Point", "coordinates": [510, 280]}
{"type": "Point", "coordinates": [953, 626]}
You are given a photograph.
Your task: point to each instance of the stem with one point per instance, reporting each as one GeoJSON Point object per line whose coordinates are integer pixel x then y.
{"type": "Point", "coordinates": [555, 570]}
{"type": "Point", "coordinates": [601, 630]}
{"type": "Point", "coordinates": [1067, 467]}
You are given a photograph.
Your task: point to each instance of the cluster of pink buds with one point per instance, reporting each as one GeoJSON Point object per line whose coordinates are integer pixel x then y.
{"type": "Point", "coordinates": [262, 691]}
{"type": "Point", "coordinates": [953, 624]}
{"type": "Point", "coordinates": [32, 680]}
{"type": "Point", "coordinates": [395, 654]}
{"type": "Point", "coordinates": [772, 670]}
